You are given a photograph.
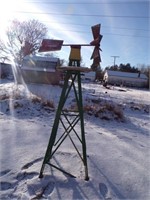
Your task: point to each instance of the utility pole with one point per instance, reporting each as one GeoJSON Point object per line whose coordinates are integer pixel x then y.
{"type": "Point", "coordinates": [115, 59]}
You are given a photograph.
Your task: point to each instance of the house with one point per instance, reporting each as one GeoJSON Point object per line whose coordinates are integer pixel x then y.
{"type": "Point", "coordinates": [40, 69]}
{"type": "Point", "coordinates": [125, 78]}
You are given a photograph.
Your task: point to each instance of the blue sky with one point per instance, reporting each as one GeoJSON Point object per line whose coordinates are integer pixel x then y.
{"type": "Point", "coordinates": [125, 26]}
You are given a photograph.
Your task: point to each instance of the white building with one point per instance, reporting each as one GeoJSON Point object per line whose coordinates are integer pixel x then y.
{"type": "Point", "coordinates": [125, 78]}
{"type": "Point", "coordinates": [40, 69]}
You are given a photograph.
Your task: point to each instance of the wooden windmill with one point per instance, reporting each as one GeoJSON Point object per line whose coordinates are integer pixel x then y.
{"type": "Point", "coordinates": [55, 45]}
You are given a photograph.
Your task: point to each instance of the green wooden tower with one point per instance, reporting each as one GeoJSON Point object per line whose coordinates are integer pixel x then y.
{"type": "Point", "coordinates": [72, 81]}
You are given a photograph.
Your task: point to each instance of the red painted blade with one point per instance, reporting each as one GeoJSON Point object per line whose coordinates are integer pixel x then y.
{"type": "Point", "coordinates": [95, 53]}
{"type": "Point", "coordinates": [96, 30]}
{"type": "Point", "coordinates": [96, 61]}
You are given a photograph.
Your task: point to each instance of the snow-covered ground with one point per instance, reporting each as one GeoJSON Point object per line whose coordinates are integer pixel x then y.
{"type": "Point", "coordinates": [117, 138]}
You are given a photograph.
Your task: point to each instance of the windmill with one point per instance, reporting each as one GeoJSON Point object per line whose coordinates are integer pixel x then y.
{"type": "Point", "coordinates": [75, 55]}
{"type": "Point", "coordinates": [70, 118]}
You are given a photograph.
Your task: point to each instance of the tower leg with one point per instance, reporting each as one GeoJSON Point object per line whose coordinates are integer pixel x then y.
{"type": "Point", "coordinates": [82, 128]}
{"type": "Point", "coordinates": [55, 125]}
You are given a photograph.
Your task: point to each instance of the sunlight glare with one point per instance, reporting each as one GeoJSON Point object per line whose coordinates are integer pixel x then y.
{"type": "Point", "coordinates": [8, 13]}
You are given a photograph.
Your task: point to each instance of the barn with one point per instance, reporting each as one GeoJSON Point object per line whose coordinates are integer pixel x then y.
{"type": "Point", "coordinates": [40, 69]}
{"type": "Point", "coordinates": [125, 78]}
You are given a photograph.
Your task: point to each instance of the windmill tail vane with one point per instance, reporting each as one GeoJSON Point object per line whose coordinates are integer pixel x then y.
{"type": "Point", "coordinates": [56, 45]}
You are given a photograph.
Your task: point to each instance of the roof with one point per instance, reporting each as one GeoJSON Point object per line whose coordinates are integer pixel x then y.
{"type": "Point", "coordinates": [6, 64]}
{"type": "Point", "coordinates": [126, 74]}
{"type": "Point", "coordinates": [41, 58]}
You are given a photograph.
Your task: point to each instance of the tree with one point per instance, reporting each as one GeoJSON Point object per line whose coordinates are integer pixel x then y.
{"type": "Point", "coordinates": [23, 38]}
{"type": "Point", "coordinates": [113, 68]}
{"type": "Point", "coordinates": [99, 74]}
{"type": "Point", "coordinates": [123, 68]}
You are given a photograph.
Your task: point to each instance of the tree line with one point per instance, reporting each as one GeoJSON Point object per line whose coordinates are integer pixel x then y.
{"type": "Point", "coordinates": [123, 68]}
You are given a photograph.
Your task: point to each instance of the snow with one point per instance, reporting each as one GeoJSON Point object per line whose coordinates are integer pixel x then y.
{"type": "Point", "coordinates": [117, 147]}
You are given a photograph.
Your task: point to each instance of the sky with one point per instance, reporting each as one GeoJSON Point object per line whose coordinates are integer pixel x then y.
{"type": "Point", "coordinates": [125, 26]}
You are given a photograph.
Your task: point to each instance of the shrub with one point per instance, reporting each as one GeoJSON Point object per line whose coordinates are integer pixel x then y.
{"type": "Point", "coordinates": [105, 110]}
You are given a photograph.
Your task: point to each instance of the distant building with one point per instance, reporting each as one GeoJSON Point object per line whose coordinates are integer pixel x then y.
{"type": "Point", "coordinates": [125, 78]}
{"type": "Point", "coordinates": [5, 70]}
{"type": "Point", "coordinates": [41, 69]}
{"type": "Point", "coordinates": [89, 76]}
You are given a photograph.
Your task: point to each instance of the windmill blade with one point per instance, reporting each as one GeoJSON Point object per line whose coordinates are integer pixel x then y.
{"type": "Point", "coordinates": [95, 53]}
{"type": "Point", "coordinates": [100, 37]}
{"type": "Point", "coordinates": [96, 58]}
{"type": "Point", "coordinates": [96, 30]}
{"type": "Point", "coordinates": [96, 42]}
{"type": "Point", "coordinates": [96, 61]}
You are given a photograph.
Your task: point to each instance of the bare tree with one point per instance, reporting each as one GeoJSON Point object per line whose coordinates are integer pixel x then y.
{"type": "Point", "coordinates": [23, 38]}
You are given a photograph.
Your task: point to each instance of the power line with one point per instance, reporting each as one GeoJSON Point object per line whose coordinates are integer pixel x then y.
{"type": "Point", "coordinates": [114, 2]}
{"type": "Point", "coordinates": [126, 35]}
{"type": "Point", "coordinates": [79, 15]}
{"type": "Point", "coordinates": [88, 25]}
{"type": "Point", "coordinates": [137, 29]}
{"type": "Point", "coordinates": [83, 32]}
